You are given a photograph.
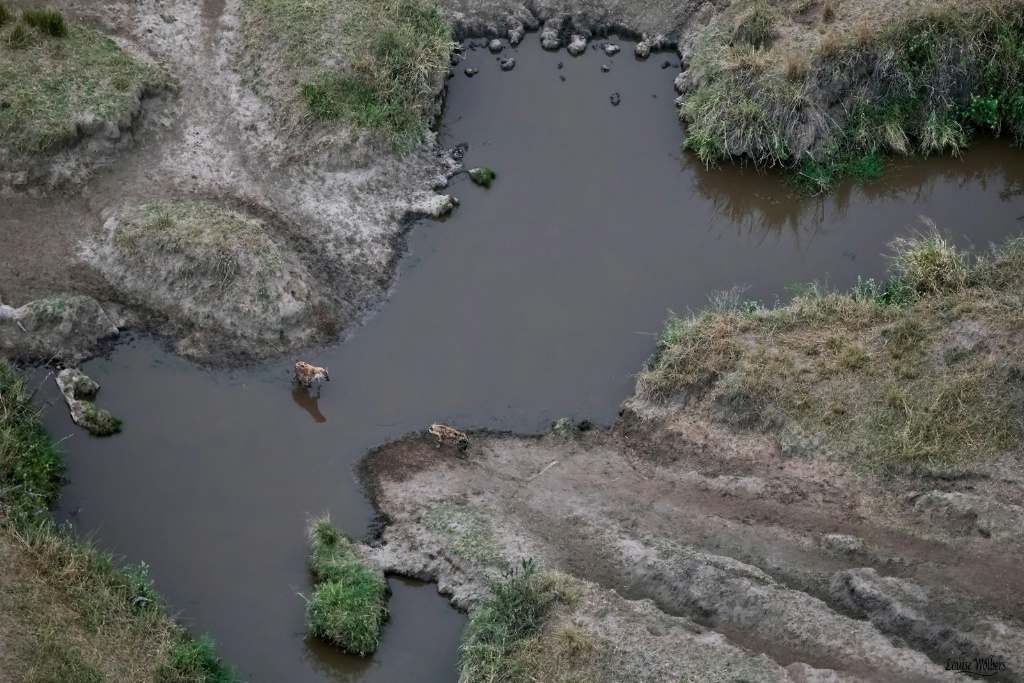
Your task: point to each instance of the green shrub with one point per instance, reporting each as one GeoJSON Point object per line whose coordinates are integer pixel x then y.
{"type": "Point", "coordinates": [19, 36]}
{"type": "Point", "coordinates": [348, 608]}
{"type": "Point", "coordinates": [50, 22]}
{"type": "Point", "coordinates": [5, 14]}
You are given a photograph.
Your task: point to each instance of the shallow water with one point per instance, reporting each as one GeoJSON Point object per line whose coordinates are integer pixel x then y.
{"type": "Point", "coordinates": [537, 299]}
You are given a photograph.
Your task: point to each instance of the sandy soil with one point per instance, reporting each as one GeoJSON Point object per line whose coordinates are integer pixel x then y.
{"type": "Point", "coordinates": [827, 573]}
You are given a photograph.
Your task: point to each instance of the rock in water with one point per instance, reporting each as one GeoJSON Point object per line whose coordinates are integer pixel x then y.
{"type": "Point", "coordinates": [642, 50]}
{"type": "Point", "coordinates": [577, 46]}
{"type": "Point", "coordinates": [482, 176]}
{"type": "Point", "coordinates": [549, 39]}
{"type": "Point", "coordinates": [666, 64]}
{"type": "Point", "coordinates": [495, 46]}
{"type": "Point", "coordinates": [472, 72]}
{"type": "Point", "coordinates": [605, 68]}
{"type": "Point", "coordinates": [508, 64]}
{"type": "Point", "coordinates": [615, 99]}
{"type": "Point", "coordinates": [611, 49]}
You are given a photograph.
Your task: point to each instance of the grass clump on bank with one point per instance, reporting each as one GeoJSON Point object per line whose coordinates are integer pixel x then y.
{"type": "Point", "coordinates": [67, 611]}
{"type": "Point", "coordinates": [920, 83]}
{"type": "Point", "coordinates": [55, 76]}
{"type": "Point", "coordinates": [915, 372]}
{"type": "Point", "coordinates": [349, 605]}
{"type": "Point", "coordinates": [204, 256]}
{"type": "Point", "coordinates": [509, 638]}
{"type": "Point", "coordinates": [377, 65]}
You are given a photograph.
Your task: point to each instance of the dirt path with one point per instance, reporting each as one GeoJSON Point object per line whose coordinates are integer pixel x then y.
{"type": "Point", "coordinates": [799, 560]}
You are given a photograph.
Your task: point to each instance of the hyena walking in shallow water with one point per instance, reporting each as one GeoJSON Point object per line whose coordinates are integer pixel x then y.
{"type": "Point", "coordinates": [306, 374]}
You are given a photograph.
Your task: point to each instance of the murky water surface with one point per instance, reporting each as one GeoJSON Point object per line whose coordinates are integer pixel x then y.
{"type": "Point", "coordinates": [537, 299]}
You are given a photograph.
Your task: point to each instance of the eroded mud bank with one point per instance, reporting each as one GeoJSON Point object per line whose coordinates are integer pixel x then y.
{"type": "Point", "coordinates": [685, 531]}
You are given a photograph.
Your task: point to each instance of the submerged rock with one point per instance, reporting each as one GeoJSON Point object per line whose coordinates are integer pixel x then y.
{"type": "Point", "coordinates": [666, 64]}
{"type": "Point", "coordinates": [615, 99]}
{"type": "Point", "coordinates": [75, 386]}
{"type": "Point", "coordinates": [577, 45]}
{"type": "Point", "coordinates": [508, 64]}
{"type": "Point", "coordinates": [495, 46]}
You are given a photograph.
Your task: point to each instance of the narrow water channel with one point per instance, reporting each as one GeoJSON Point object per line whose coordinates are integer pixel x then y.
{"type": "Point", "coordinates": [537, 299]}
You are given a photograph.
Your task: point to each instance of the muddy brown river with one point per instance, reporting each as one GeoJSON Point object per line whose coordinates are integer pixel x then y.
{"type": "Point", "coordinates": [537, 299]}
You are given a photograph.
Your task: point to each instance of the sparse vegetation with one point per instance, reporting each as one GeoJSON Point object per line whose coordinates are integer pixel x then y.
{"type": "Point", "coordinates": [482, 176]}
{"type": "Point", "coordinates": [348, 607]}
{"type": "Point", "coordinates": [211, 250]}
{"type": "Point", "coordinates": [888, 375]}
{"type": "Point", "coordinates": [505, 640]}
{"type": "Point", "coordinates": [5, 15]}
{"type": "Point", "coordinates": [920, 83]}
{"type": "Point", "coordinates": [471, 538]}
{"type": "Point", "coordinates": [67, 611]}
{"type": "Point", "coordinates": [375, 65]}
{"type": "Point", "coordinates": [55, 76]}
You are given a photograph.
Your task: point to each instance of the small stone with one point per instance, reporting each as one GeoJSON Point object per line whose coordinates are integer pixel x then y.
{"type": "Point", "coordinates": [666, 64]}
{"type": "Point", "coordinates": [456, 58]}
{"type": "Point", "coordinates": [472, 72]}
{"type": "Point", "coordinates": [559, 65]}
{"type": "Point", "coordinates": [605, 68]}
{"type": "Point", "coordinates": [615, 99]}
{"type": "Point", "coordinates": [495, 46]}
{"type": "Point", "coordinates": [508, 64]}
{"type": "Point", "coordinates": [577, 46]}
{"type": "Point", "coordinates": [611, 49]}
{"type": "Point", "coordinates": [561, 77]}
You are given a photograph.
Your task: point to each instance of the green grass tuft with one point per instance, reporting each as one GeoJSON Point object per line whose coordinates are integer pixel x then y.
{"type": "Point", "coordinates": [503, 628]}
{"type": "Point", "coordinates": [50, 22]}
{"type": "Point", "coordinates": [881, 374]}
{"type": "Point", "coordinates": [482, 176]}
{"type": "Point", "coordinates": [348, 608]}
{"type": "Point", "coordinates": [195, 661]}
{"type": "Point", "coordinates": [49, 87]}
{"type": "Point", "coordinates": [756, 26]}
{"type": "Point", "coordinates": [921, 83]}
{"type": "Point", "coordinates": [377, 65]}
{"type": "Point", "coordinates": [31, 467]}
{"type": "Point", "coordinates": [99, 421]}
{"type": "Point", "coordinates": [5, 14]}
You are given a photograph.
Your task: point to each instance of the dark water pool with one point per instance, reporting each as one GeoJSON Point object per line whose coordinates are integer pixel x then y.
{"type": "Point", "coordinates": [537, 299]}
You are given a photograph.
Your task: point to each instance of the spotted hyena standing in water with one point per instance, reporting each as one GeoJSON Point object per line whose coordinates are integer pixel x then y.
{"type": "Point", "coordinates": [306, 374]}
{"type": "Point", "coordinates": [445, 433]}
